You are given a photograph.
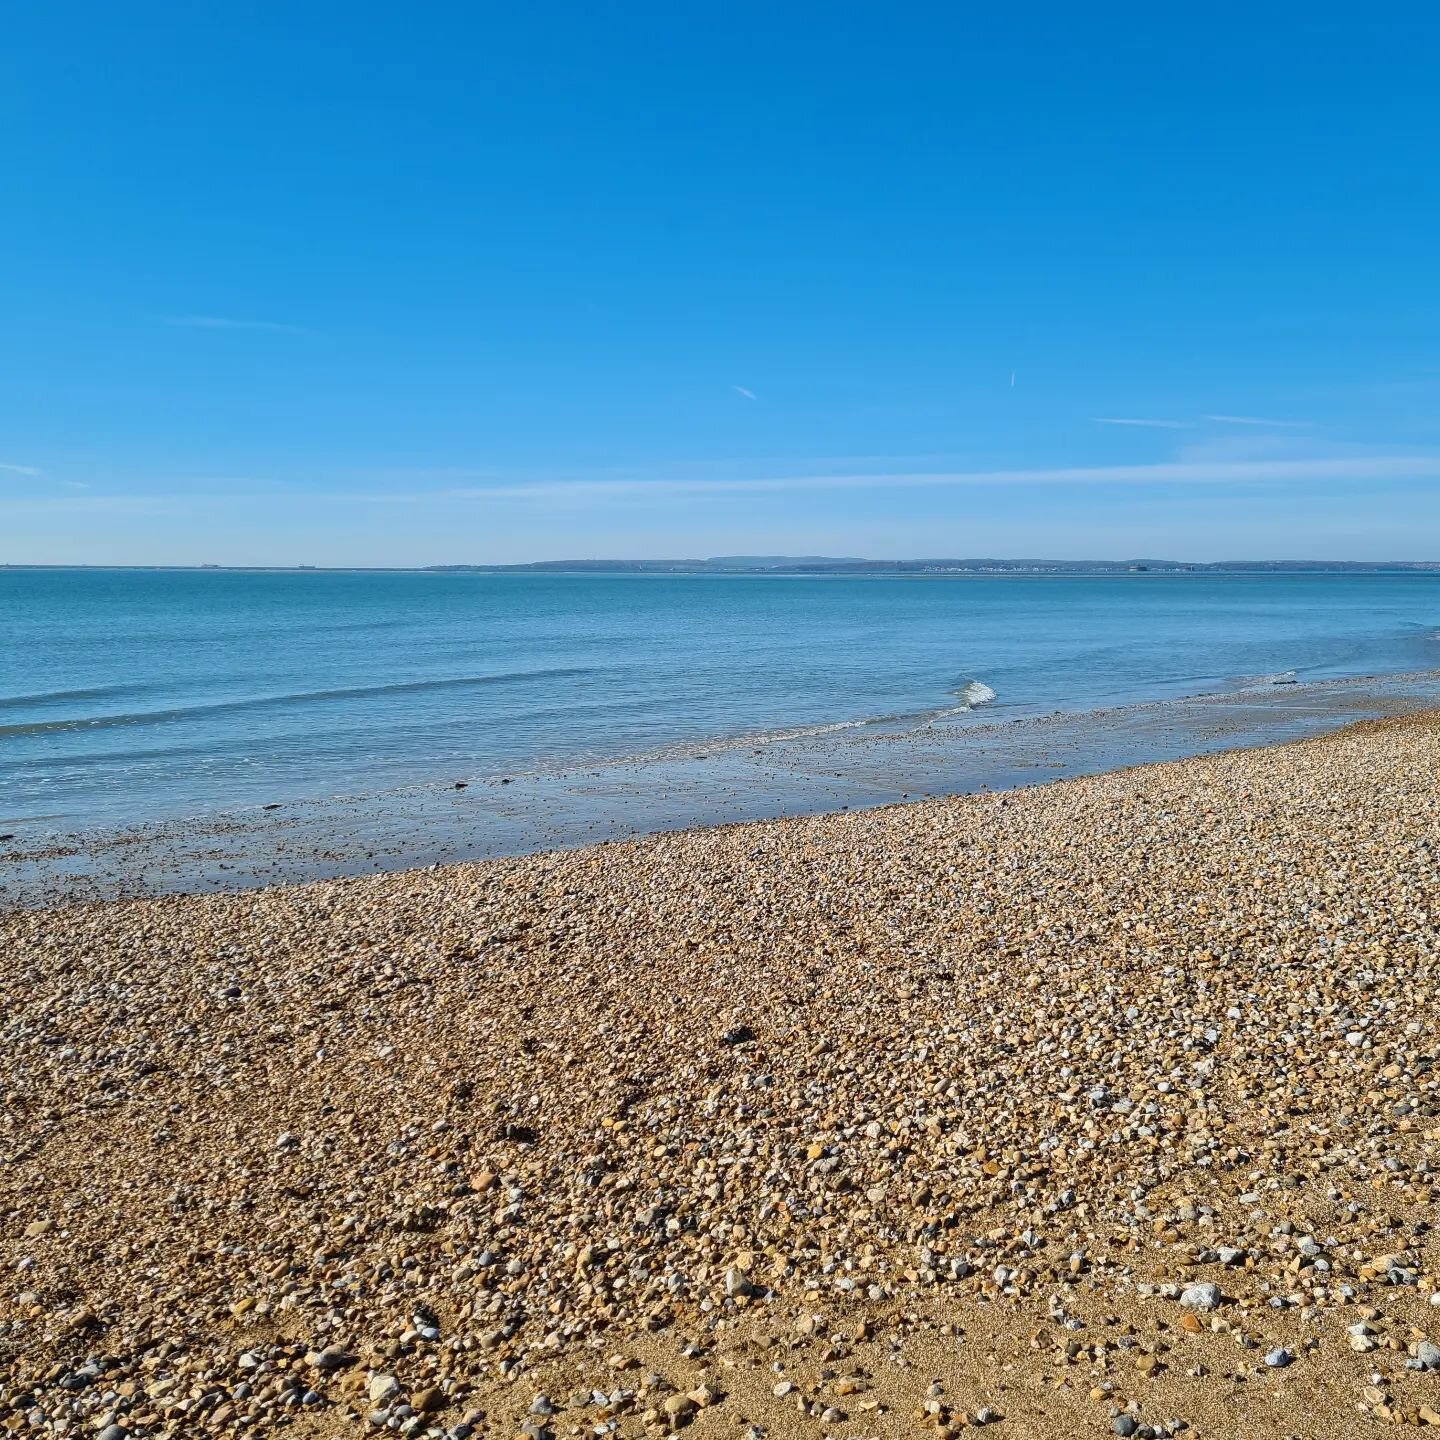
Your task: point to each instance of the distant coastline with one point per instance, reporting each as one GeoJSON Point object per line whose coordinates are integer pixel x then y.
{"type": "Point", "coordinates": [814, 565]}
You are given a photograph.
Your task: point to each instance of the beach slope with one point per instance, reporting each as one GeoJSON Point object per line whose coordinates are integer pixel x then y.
{"type": "Point", "coordinates": [1106, 1107]}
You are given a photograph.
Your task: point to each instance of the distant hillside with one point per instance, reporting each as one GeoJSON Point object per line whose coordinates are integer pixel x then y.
{"type": "Point", "coordinates": [833, 565]}
{"type": "Point", "coordinates": [827, 565]}
{"type": "Point", "coordinates": [778, 562]}
{"type": "Point", "coordinates": [793, 563]}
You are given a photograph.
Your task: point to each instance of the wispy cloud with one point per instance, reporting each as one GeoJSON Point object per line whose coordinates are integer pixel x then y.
{"type": "Point", "coordinates": [1367, 474]}
{"type": "Point", "coordinates": [1147, 424]}
{"type": "Point", "coordinates": [1354, 469]}
{"type": "Point", "coordinates": [741, 390]}
{"type": "Point", "coordinates": [20, 469]}
{"type": "Point", "coordinates": [221, 322]}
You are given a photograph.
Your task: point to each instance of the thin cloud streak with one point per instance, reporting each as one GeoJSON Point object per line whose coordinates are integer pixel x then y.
{"type": "Point", "coordinates": [21, 469]}
{"type": "Point", "coordinates": [221, 322]}
{"type": "Point", "coordinates": [741, 390]}
{"type": "Point", "coordinates": [1257, 420]}
{"type": "Point", "coordinates": [1145, 424]}
{"type": "Point", "coordinates": [1197, 473]}
{"type": "Point", "coordinates": [1346, 469]}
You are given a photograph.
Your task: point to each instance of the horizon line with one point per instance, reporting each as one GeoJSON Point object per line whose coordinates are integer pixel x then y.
{"type": "Point", "coordinates": [786, 564]}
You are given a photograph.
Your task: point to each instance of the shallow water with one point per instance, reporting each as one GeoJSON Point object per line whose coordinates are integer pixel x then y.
{"type": "Point", "coordinates": [858, 768]}
{"type": "Point", "coordinates": [129, 697]}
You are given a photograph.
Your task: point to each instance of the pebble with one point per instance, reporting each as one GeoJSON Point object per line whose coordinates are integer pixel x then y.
{"type": "Point", "coordinates": [1203, 1296]}
{"type": "Point", "coordinates": [679, 1409]}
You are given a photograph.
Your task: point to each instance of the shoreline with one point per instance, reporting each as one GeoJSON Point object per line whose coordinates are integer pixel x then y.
{"type": "Point", "coordinates": [827, 768]}
{"type": "Point", "coordinates": [1036, 1110]}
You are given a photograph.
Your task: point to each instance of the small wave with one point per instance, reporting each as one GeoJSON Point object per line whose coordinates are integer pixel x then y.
{"type": "Point", "coordinates": [751, 739]}
{"type": "Point", "coordinates": [266, 702]}
{"type": "Point", "coordinates": [934, 717]}
{"type": "Point", "coordinates": [57, 697]}
{"type": "Point", "coordinates": [799, 732]}
{"type": "Point", "coordinates": [973, 694]}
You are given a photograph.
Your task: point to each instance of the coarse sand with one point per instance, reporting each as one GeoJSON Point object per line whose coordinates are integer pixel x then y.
{"type": "Point", "coordinates": [1106, 1107]}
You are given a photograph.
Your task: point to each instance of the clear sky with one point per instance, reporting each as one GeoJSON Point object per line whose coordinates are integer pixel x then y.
{"type": "Point", "coordinates": [371, 283]}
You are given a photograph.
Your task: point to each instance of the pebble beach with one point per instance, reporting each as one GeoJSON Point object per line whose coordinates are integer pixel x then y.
{"type": "Point", "coordinates": [1106, 1107]}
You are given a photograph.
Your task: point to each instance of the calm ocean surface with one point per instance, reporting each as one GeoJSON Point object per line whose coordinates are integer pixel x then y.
{"type": "Point", "coordinates": [130, 696]}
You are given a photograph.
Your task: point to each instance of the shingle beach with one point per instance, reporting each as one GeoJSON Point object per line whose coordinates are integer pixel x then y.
{"type": "Point", "coordinates": [1109, 1107]}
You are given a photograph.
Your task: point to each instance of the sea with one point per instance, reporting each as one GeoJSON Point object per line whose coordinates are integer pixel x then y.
{"type": "Point", "coordinates": [135, 697]}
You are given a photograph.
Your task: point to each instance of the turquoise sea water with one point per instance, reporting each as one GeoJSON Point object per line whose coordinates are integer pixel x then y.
{"type": "Point", "coordinates": [130, 696]}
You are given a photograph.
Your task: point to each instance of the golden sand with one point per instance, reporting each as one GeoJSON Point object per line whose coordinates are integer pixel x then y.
{"type": "Point", "coordinates": [892, 1123]}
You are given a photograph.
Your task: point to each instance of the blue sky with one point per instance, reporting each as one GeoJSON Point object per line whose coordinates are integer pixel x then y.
{"type": "Point", "coordinates": [377, 284]}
